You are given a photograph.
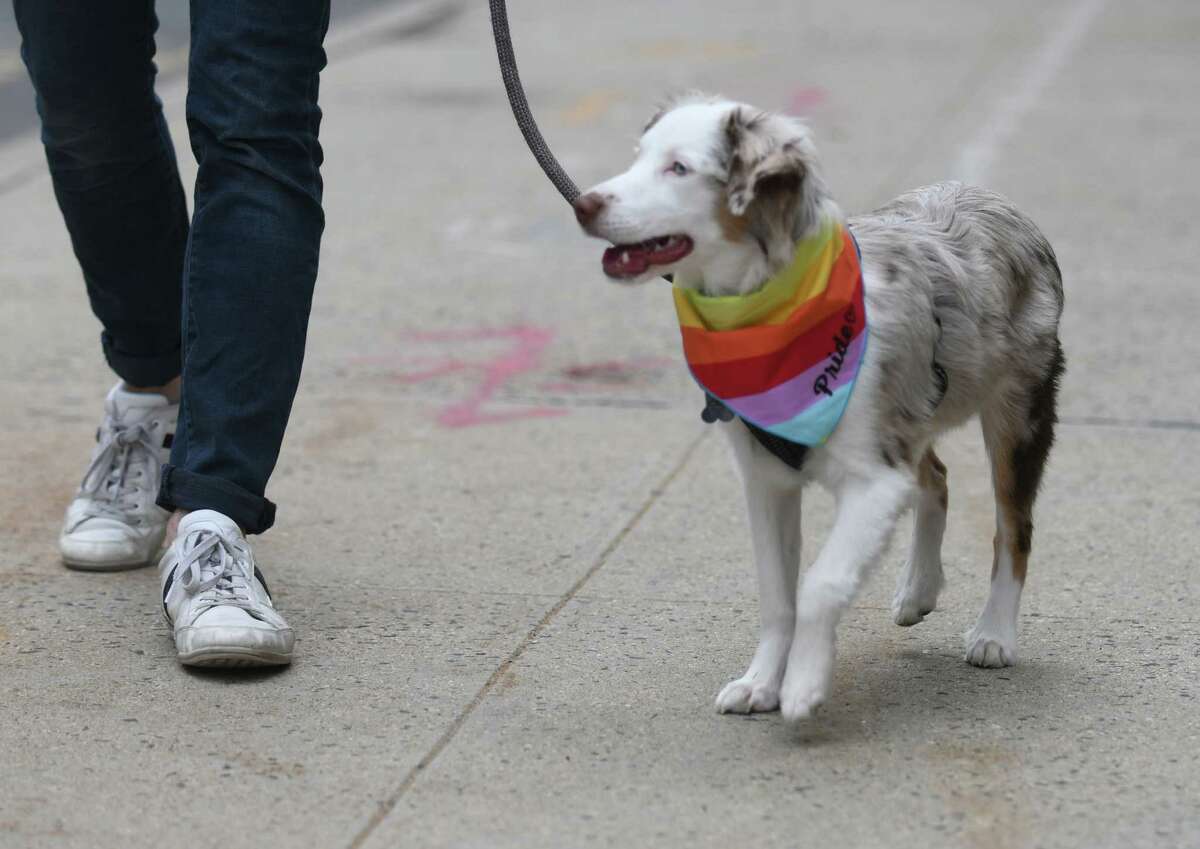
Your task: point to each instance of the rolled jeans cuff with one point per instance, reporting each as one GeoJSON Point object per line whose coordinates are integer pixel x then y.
{"type": "Point", "coordinates": [142, 369]}
{"type": "Point", "coordinates": [183, 490]}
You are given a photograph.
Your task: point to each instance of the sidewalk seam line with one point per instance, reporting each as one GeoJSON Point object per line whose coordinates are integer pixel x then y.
{"type": "Point", "coordinates": [386, 807]}
{"type": "Point", "coordinates": [1041, 69]}
{"type": "Point", "coordinates": [591, 401]}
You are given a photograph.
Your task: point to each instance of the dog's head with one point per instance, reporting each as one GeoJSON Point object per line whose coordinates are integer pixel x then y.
{"type": "Point", "coordinates": [718, 194]}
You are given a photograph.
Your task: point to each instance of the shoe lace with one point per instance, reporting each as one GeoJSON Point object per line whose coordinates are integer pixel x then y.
{"type": "Point", "coordinates": [106, 483]}
{"type": "Point", "coordinates": [218, 568]}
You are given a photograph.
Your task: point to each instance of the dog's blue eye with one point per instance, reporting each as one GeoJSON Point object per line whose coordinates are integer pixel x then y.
{"type": "Point", "coordinates": [679, 169]}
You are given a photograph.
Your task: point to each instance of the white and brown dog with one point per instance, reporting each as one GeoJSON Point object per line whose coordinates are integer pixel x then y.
{"type": "Point", "coordinates": [963, 295]}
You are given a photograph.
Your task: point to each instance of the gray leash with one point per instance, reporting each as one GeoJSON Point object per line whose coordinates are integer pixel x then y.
{"type": "Point", "coordinates": [520, 106]}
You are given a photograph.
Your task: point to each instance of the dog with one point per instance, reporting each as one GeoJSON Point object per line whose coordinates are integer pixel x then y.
{"type": "Point", "coordinates": [963, 297]}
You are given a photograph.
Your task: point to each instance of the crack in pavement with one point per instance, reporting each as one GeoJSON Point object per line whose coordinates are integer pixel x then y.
{"type": "Point", "coordinates": [389, 804]}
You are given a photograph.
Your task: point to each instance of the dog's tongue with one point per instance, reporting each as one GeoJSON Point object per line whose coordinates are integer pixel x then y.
{"type": "Point", "coordinates": [626, 260]}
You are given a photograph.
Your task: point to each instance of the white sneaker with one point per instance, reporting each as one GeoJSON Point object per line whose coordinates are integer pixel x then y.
{"type": "Point", "coordinates": [216, 599]}
{"type": "Point", "coordinates": [113, 523]}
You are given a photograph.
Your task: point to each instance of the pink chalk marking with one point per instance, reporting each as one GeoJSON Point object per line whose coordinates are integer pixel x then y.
{"type": "Point", "coordinates": [805, 100]}
{"type": "Point", "coordinates": [528, 344]}
{"type": "Point", "coordinates": [440, 370]}
{"type": "Point", "coordinates": [585, 377]}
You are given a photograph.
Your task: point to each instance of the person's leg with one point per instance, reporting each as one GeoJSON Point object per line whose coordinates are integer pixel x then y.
{"type": "Point", "coordinates": [114, 175]}
{"type": "Point", "coordinates": [114, 172]}
{"type": "Point", "coordinates": [252, 256]}
{"type": "Point", "coordinates": [248, 283]}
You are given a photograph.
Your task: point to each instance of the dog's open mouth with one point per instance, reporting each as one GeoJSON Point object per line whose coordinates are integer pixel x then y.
{"type": "Point", "coordinates": [625, 261]}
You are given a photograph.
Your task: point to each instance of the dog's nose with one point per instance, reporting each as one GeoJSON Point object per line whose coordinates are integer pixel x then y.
{"type": "Point", "coordinates": [587, 207]}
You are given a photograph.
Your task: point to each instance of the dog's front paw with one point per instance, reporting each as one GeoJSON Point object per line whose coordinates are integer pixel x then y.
{"type": "Point", "coordinates": [909, 611]}
{"type": "Point", "coordinates": [803, 692]}
{"type": "Point", "coordinates": [989, 650]}
{"type": "Point", "coordinates": [906, 612]}
{"type": "Point", "coordinates": [747, 695]}
{"type": "Point", "coordinates": [916, 595]}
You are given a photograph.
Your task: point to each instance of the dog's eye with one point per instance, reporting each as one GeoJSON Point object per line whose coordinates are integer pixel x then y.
{"type": "Point", "coordinates": [679, 169]}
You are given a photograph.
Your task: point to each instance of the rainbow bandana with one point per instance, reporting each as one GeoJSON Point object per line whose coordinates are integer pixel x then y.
{"type": "Point", "coordinates": [785, 357]}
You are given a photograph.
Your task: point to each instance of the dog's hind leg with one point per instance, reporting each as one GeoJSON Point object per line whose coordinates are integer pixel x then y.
{"type": "Point", "coordinates": [773, 504]}
{"type": "Point", "coordinates": [921, 579]}
{"type": "Point", "coordinates": [1018, 433]}
{"type": "Point", "coordinates": [866, 515]}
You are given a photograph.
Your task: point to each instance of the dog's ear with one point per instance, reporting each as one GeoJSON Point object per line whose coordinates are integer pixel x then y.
{"type": "Point", "coordinates": [776, 177]}
{"type": "Point", "coordinates": [760, 168]}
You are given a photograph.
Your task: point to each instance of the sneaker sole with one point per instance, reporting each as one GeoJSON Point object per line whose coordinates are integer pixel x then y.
{"type": "Point", "coordinates": [80, 564]}
{"type": "Point", "coordinates": [91, 566]}
{"type": "Point", "coordinates": [232, 658]}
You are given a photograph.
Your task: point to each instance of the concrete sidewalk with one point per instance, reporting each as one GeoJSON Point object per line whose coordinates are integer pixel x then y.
{"type": "Point", "coordinates": [517, 562]}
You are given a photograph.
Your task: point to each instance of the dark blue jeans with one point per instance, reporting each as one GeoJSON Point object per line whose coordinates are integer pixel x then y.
{"type": "Point", "coordinates": [224, 302]}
